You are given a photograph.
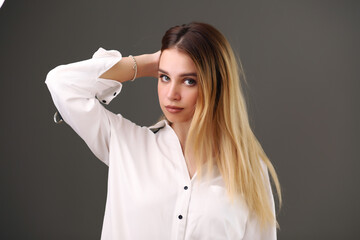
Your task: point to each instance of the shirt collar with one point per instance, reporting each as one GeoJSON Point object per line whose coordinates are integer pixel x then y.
{"type": "Point", "coordinates": [159, 125]}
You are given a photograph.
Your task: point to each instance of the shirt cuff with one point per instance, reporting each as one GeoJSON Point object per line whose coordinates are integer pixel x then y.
{"type": "Point", "coordinates": [107, 89]}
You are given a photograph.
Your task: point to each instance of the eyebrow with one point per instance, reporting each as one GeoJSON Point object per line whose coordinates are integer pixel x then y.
{"type": "Point", "coordinates": [181, 75]}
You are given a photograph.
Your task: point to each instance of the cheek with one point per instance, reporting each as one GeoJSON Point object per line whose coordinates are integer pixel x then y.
{"type": "Point", "coordinates": [193, 96]}
{"type": "Point", "coordinates": [161, 92]}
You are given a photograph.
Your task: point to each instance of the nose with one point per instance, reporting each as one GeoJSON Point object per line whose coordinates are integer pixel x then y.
{"type": "Point", "coordinates": [173, 93]}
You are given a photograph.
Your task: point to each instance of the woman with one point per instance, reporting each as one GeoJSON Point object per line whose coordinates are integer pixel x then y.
{"type": "Point", "coordinates": [199, 173]}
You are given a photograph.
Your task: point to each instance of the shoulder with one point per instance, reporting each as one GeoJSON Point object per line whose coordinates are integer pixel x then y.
{"type": "Point", "coordinates": [125, 128]}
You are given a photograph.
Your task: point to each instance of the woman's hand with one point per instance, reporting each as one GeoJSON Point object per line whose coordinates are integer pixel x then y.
{"type": "Point", "coordinates": [152, 66]}
{"type": "Point", "coordinates": [122, 71]}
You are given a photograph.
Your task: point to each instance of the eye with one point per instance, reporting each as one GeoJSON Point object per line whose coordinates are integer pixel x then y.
{"type": "Point", "coordinates": [190, 82]}
{"type": "Point", "coordinates": [164, 78]}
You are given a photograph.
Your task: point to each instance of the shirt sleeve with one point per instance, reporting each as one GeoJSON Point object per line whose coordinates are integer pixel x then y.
{"type": "Point", "coordinates": [253, 230]}
{"type": "Point", "coordinates": [77, 90]}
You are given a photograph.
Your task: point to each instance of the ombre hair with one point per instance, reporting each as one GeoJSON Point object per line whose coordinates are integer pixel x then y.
{"type": "Point", "coordinates": [220, 131]}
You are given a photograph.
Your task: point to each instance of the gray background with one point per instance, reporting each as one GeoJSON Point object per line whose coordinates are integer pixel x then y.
{"type": "Point", "coordinates": [302, 64]}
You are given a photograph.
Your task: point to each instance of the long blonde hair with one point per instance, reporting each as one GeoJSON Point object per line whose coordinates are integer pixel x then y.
{"type": "Point", "coordinates": [220, 131]}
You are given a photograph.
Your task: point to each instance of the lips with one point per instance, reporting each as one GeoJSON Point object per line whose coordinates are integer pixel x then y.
{"type": "Point", "coordinates": [173, 109]}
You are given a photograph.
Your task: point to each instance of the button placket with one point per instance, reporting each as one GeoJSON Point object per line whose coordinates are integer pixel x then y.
{"type": "Point", "coordinates": [186, 202]}
{"type": "Point", "coordinates": [182, 216]}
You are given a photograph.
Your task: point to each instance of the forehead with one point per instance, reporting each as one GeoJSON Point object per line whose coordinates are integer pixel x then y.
{"type": "Point", "coordinates": [175, 62]}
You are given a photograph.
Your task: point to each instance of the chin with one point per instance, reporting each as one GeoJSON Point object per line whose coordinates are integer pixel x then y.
{"type": "Point", "coordinates": [171, 119]}
{"type": "Point", "coordinates": [176, 119]}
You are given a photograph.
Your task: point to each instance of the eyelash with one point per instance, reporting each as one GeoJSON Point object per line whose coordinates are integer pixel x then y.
{"type": "Point", "coordinates": [161, 77]}
{"type": "Point", "coordinates": [186, 80]}
{"type": "Point", "coordinates": [192, 80]}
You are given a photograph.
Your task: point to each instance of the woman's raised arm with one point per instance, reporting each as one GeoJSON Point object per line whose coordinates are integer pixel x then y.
{"type": "Point", "coordinates": [147, 66]}
{"type": "Point", "coordinates": [78, 88]}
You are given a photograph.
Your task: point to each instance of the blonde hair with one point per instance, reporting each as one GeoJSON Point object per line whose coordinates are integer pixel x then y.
{"type": "Point", "coordinates": [220, 131]}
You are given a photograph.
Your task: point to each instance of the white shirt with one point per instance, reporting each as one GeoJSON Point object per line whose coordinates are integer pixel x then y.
{"type": "Point", "coordinates": [150, 193]}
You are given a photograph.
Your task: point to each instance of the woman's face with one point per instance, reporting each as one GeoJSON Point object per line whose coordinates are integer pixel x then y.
{"type": "Point", "coordinates": [177, 86]}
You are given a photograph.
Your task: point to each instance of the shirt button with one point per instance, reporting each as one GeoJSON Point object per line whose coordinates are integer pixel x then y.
{"type": "Point", "coordinates": [180, 216]}
{"type": "Point", "coordinates": [186, 187]}
{"type": "Point", "coordinates": [114, 93]}
{"type": "Point", "coordinates": [104, 101]}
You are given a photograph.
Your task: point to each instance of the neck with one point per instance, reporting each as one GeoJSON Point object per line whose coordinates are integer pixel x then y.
{"type": "Point", "coordinates": [181, 130]}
